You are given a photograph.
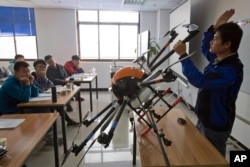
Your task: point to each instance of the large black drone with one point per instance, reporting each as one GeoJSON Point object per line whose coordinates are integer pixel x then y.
{"type": "Point", "coordinates": [133, 90]}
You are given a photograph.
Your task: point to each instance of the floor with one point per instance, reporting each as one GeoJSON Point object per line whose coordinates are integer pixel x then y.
{"type": "Point", "coordinates": [118, 153]}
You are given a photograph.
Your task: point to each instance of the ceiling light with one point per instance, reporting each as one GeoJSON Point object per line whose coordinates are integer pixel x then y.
{"type": "Point", "coordinates": [134, 2]}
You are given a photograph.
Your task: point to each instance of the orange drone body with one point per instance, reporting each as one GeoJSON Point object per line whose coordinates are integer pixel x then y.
{"type": "Point", "coordinates": [125, 81]}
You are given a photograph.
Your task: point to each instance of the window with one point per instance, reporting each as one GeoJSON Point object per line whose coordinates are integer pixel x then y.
{"type": "Point", "coordinates": [17, 33]}
{"type": "Point", "coordinates": [89, 41]}
{"type": "Point", "coordinates": [108, 35]}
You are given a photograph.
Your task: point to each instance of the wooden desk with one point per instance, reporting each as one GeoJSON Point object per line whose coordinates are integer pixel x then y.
{"type": "Point", "coordinates": [189, 147]}
{"type": "Point", "coordinates": [22, 140]}
{"type": "Point", "coordinates": [86, 78]}
{"type": "Point", "coordinates": [62, 100]}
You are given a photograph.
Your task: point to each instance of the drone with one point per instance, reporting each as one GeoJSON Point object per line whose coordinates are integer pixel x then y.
{"type": "Point", "coordinates": [133, 88]}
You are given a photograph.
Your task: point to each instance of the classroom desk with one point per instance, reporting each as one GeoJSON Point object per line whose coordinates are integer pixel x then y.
{"type": "Point", "coordinates": [62, 101]}
{"type": "Point", "coordinates": [22, 140]}
{"type": "Point", "coordinates": [86, 78]}
{"type": "Point", "coordinates": [189, 147]}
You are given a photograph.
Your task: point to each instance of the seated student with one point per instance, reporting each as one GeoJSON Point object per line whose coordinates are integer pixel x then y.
{"type": "Point", "coordinates": [57, 74]}
{"type": "Point", "coordinates": [17, 58]}
{"type": "Point", "coordinates": [72, 66]}
{"type": "Point", "coordinates": [43, 84]}
{"type": "Point", "coordinates": [17, 88]}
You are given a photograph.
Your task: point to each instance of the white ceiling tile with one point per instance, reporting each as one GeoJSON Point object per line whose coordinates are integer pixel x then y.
{"type": "Point", "coordinates": [150, 5]}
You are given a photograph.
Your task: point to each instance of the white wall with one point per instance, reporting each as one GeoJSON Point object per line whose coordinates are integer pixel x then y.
{"type": "Point", "coordinates": [56, 33]}
{"type": "Point", "coordinates": [148, 21]}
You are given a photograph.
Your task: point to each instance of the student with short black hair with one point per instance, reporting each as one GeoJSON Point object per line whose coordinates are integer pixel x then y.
{"type": "Point", "coordinates": [17, 88]}
{"type": "Point", "coordinates": [40, 78]}
{"type": "Point", "coordinates": [57, 74]}
{"type": "Point", "coordinates": [220, 82]}
{"type": "Point", "coordinates": [72, 66]}
{"type": "Point", "coordinates": [18, 57]}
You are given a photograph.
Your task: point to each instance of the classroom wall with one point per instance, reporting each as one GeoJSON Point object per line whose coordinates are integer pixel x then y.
{"type": "Point", "coordinates": [57, 35]}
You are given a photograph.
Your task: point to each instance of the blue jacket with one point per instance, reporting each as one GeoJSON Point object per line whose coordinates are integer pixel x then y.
{"type": "Point", "coordinates": [13, 92]}
{"type": "Point", "coordinates": [218, 85]}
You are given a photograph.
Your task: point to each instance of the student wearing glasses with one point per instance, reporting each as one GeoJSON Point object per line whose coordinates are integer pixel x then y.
{"type": "Point", "coordinates": [43, 84]}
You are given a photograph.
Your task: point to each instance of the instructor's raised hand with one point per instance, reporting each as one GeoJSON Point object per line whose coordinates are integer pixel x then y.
{"type": "Point", "coordinates": [224, 17]}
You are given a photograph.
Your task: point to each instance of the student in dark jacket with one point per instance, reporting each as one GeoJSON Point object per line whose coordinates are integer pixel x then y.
{"type": "Point", "coordinates": [57, 74]}
{"type": "Point", "coordinates": [220, 82]}
{"type": "Point", "coordinates": [41, 81]}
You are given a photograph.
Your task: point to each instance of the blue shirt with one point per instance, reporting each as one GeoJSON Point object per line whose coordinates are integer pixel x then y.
{"type": "Point", "coordinates": [218, 84]}
{"type": "Point", "coordinates": [13, 92]}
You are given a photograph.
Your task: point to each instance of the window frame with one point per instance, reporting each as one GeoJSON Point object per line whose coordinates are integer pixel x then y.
{"type": "Point", "coordinates": [98, 23]}
{"type": "Point", "coordinates": [18, 23]}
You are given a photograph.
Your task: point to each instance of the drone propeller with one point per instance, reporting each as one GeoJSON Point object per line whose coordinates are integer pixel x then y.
{"type": "Point", "coordinates": [167, 74]}
{"type": "Point", "coordinates": [192, 30]}
{"type": "Point", "coordinates": [84, 120]}
{"type": "Point", "coordinates": [190, 27]}
{"type": "Point", "coordinates": [93, 142]}
{"type": "Point", "coordinates": [180, 60]}
{"type": "Point", "coordinates": [67, 155]}
{"type": "Point", "coordinates": [141, 58]}
{"type": "Point", "coordinates": [244, 22]}
{"type": "Point", "coordinates": [168, 32]}
{"type": "Point", "coordinates": [86, 115]}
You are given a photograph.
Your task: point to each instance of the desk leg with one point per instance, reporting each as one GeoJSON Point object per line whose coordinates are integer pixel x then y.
{"type": "Point", "coordinates": [90, 96]}
{"type": "Point", "coordinates": [63, 129]}
{"type": "Point", "coordinates": [80, 106]}
{"type": "Point", "coordinates": [56, 153]}
{"type": "Point", "coordinates": [96, 87]}
{"type": "Point", "coordinates": [134, 145]}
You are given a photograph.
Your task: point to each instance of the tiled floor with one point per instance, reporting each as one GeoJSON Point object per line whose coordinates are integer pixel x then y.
{"type": "Point", "coordinates": [118, 154]}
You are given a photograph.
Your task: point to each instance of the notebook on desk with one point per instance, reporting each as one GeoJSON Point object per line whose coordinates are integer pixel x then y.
{"type": "Point", "coordinates": [10, 123]}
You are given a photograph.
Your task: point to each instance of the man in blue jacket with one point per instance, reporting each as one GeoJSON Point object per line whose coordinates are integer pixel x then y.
{"type": "Point", "coordinates": [17, 88]}
{"type": "Point", "coordinates": [220, 81]}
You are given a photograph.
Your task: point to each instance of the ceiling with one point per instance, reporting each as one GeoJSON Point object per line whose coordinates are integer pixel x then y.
{"type": "Point", "coordinates": [148, 5]}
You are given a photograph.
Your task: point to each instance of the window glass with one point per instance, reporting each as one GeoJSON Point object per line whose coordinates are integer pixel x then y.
{"type": "Point", "coordinates": [108, 41]}
{"type": "Point", "coordinates": [108, 34]}
{"type": "Point", "coordinates": [26, 45]}
{"type": "Point", "coordinates": [128, 42]}
{"type": "Point", "coordinates": [17, 32]}
{"type": "Point", "coordinates": [87, 15]}
{"type": "Point", "coordinates": [117, 16]}
{"type": "Point", "coordinates": [88, 41]}
{"type": "Point", "coordinates": [7, 47]}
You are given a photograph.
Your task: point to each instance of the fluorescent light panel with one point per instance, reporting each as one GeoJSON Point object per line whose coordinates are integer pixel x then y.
{"type": "Point", "coordinates": [134, 2]}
